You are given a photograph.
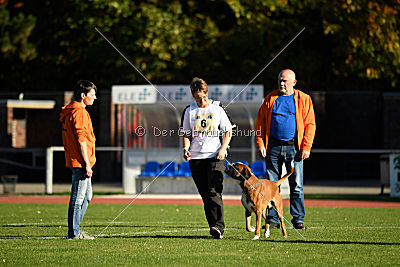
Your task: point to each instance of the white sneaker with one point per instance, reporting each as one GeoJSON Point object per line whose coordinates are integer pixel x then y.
{"type": "Point", "coordinates": [83, 236]}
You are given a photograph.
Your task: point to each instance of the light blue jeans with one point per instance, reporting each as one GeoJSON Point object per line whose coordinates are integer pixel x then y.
{"type": "Point", "coordinates": [81, 194]}
{"type": "Point", "coordinates": [278, 154]}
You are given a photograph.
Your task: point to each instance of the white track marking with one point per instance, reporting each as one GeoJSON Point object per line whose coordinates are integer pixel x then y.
{"type": "Point", "coordinates": [51, 223]}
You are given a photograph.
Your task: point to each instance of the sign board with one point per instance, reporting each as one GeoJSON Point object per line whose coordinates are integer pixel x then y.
{"type": "Point", "coordinates": [134, 94]}
{"type": "Point", "coordinates": [28, 104]}
{"type": "Point", "coordinates": [394, 165]}
{"type": "Point", "coordinates": [147, 94]}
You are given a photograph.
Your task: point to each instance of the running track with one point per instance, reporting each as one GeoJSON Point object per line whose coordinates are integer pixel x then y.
{"type": "Point", "coordinates": [194, 201]}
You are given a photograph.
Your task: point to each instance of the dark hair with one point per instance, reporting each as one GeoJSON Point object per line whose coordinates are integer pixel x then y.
{"type": "Point", "coordinates": [197, 85]}
{"type": "Point", "coordinates": [83, 86]}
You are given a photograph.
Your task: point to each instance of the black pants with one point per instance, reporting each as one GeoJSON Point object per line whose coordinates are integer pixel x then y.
{"type": "Point", "coordinates": [208, 175]}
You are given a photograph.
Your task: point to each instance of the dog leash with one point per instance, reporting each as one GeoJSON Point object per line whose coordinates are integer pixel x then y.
{"type": "Point", "coordinates": [269, 202]}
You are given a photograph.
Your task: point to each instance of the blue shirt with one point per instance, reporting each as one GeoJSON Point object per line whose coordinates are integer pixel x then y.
{"type": "Point", "coordinates": [283, 121]}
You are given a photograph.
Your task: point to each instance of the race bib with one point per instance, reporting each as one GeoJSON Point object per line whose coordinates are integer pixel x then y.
{"type": "Point", "coordinates": [203, 123]}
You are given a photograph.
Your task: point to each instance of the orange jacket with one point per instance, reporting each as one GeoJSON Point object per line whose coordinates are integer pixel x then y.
{"type": "Point", "coordinates": [77, 127]}
{"type": "Point", "coordinates": [305, 120]}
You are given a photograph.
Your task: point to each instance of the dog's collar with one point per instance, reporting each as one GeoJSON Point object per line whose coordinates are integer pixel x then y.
{"type": "Point", "coordinates": [254, 186]}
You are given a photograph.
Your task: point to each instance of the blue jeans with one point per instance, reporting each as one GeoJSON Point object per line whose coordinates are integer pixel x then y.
{"type": "Point", "coordinates": [277, 155]}
{"type": "Point", "coordinates": [81, 194]}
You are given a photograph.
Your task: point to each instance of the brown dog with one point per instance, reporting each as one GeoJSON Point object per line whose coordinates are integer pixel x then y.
{"type": "Point", "coordinates": [258, 194]}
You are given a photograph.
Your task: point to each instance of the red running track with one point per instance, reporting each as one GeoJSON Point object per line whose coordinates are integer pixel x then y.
{"type": "Point", "coordinates": [196, 201]}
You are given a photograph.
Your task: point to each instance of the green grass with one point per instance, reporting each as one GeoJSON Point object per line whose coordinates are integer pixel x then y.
{"type": "Point", "coordinates": [354, 197]}
{"type": "Point", "coordinates": [177, 235]}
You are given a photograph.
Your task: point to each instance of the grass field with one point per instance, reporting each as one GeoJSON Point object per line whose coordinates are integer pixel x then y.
{"type": "Point", "coordinates": [177, 235]}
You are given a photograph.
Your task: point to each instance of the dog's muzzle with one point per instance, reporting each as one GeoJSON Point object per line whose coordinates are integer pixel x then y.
{"type": "Point", "coordinates": [233, 172]}
{"type": "Point", "coordinates": [229, 170]}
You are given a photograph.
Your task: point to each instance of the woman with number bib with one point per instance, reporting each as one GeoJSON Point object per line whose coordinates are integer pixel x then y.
{"type": "Point", "coordinates": [204, 123]}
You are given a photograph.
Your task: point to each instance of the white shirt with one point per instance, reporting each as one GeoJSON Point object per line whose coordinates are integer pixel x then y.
{"type": "Point", "coordinates": [205, 125]}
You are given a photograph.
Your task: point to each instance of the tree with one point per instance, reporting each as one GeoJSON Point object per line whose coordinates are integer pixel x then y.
{"type": "Point", "coordinates": [347, 45]}
{"type": "Point", "coordinates": [366, 38]}
{"type": "Point", "coordinates": [15, 46]}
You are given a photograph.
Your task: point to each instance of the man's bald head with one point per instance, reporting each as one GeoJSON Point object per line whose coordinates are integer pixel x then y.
{"type": "Point", "coordinates": [286, 81]}
{"type": "Point", "coordinates": [287, 72]}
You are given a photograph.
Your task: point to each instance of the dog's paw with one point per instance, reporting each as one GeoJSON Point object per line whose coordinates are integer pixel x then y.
{"type": "Point", "coordinates": [251, 229]}
{"type": "Point", "coordinates": [266, 234]}
{"type": "Point", "coordinates": [256, 237]}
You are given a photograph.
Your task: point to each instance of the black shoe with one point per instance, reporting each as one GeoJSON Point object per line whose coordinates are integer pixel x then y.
{"type": "Point", "coordinates": [273, 225]}
{"type": "Point", "coordinates": [215, 232]}
{"type": "Point", "coordinates": [299, 226]}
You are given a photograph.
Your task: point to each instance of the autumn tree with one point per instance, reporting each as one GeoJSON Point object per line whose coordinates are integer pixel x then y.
{"type": "Point", "coordinates": [347, 44]}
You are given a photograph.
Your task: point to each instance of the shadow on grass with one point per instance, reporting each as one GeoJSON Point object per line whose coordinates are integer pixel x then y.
{"type": "Point", "coordinates": [160, 236]}
{"type": "Point", "coordinates": [321, 242]}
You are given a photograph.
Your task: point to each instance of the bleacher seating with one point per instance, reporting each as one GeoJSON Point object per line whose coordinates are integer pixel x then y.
{"type": "Point", "coordinates": [169, 169]}
{"type": "Point", "coordinates": [259, 168]}
{"type": "Point", "coordinates": [172, 169]}
{"type": "Point", "coordinates": [152, 168]}
{"type": "Point", "coordinates": [184, 169]}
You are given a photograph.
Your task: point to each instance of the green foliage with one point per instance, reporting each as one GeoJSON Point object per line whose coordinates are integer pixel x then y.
{"type": "Point", "coordinates": [366, 36]}
{"type": "Point", "coordinates": [165, 235]}
{"type": "Point", "coordinates": [14, 34]}
{"type": "Point", "coordinates": [348, 43]}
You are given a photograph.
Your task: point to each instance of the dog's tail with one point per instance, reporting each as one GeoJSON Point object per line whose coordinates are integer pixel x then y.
{"type": "Point", "coordinates": [280, 181]}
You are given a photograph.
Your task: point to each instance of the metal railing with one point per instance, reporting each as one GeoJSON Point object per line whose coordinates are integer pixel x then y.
{"type": "Point", "coordinates": [35, 152]}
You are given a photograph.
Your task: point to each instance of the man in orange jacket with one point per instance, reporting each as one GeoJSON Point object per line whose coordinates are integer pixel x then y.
{"type": "Point", "coordinates": [79, 146]}
{"type": "Point", "coordinates": [285, 133]}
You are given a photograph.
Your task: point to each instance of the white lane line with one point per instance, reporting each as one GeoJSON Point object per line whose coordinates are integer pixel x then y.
{"type": "Point", "coordinates": [156, 232]}
{"type": "Point", "coordinates": [354, 227]}
{"type": "Point", "coordinates": [110, 235]}
{"type": "Point", "coordinates": [51, 223]}
{"type": "Point", "coordinates": [33, 238]}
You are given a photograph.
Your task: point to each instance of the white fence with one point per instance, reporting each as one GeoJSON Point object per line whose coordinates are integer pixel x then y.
{"type": "Point", "coordinates": [49, 163]}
